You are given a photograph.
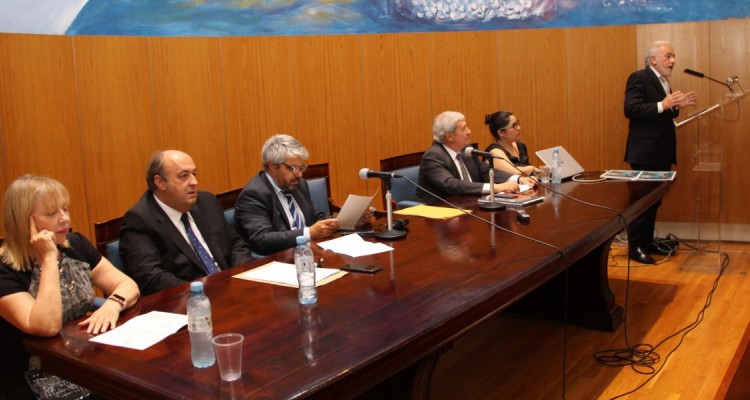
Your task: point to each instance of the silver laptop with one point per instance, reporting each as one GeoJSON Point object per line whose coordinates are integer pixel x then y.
{"type": "Point", "coordinates": [570, 166]}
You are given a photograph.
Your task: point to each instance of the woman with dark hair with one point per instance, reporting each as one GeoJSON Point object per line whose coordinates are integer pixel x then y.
{"type": "Point", "coordinates": [506, 130]}
{"type": "Point", "coordinates": [46, 278]}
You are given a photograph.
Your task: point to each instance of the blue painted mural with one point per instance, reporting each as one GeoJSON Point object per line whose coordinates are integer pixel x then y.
{"type": "Point", "coordinates": [289, 17]}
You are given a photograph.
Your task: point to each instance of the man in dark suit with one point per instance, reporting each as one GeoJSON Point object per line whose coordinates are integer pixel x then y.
{"type": "Point", "coordinates": [275, 206]}
{"type": "Point", "coordinates": [651, 106]}
{"type": "Point", "coordinates": [175, 233]}
{"type": "Point", "coordinates": [442, 173]}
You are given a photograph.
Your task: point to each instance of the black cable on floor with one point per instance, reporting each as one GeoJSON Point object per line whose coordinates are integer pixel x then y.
{"type": "Point", "coordinates": [642, 358]}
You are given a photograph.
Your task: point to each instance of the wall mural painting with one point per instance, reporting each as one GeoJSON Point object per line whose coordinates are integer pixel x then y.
{"type": "Point", "coordinates": [289, 17]}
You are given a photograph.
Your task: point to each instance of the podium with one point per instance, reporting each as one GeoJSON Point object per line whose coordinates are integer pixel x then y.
{"type": "Point", "coordinates": [707, 167]}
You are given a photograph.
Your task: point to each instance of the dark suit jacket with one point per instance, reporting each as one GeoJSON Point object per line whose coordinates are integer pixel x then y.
{"type": "Point", "coordinates": [261, 220]}
{"type": "Point", "coordinates": [439, 174]}
{"type": "Point", "coordinates": [158, 257]}
{"type": "Point", "coordinates": [651, 139]}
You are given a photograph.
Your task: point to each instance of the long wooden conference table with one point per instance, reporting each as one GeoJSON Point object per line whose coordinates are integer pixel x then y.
{"type": "Point", "coordinates": [382, 330]}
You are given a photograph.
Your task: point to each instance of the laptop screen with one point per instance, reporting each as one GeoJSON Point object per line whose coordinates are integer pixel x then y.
{"type": "Point", "coordinates": [570, 166]}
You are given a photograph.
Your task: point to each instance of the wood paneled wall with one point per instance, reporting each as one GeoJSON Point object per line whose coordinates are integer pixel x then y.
{"type": "Point", "coordinates": [89, 111]}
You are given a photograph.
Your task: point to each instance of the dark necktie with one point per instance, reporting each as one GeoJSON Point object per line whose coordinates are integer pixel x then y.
{"type": "Point", "coordinates": [464, 172]}
{"type": "Point", "coordinates": [208, 262]}
{"type": "Point", "coordinates": [298, 224]}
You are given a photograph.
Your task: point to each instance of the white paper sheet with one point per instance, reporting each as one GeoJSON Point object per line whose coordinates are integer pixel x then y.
{"type": "Point", "coordinates": [352, 210]}
{"type": "Point", "coordinates": [143, 331]}
{"type": "Point", "coordinates": [353, 245]}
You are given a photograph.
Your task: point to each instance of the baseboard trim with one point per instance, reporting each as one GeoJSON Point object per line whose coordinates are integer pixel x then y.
{"type": "Point", "coordinates": [704, 231]}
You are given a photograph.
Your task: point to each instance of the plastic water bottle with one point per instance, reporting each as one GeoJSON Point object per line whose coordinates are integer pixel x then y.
{"type": "Point", "coordinates": [556, 166]}
{"type": "Point", "coordinates": [200, 327]}
{"type": "Point", "coordinates": [305, 263]}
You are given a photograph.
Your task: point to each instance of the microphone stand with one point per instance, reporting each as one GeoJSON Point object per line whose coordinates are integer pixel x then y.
{"type": "Point", "coordinates": [491, 205]}
{"type": "Point", "coordinates": [390, 234]}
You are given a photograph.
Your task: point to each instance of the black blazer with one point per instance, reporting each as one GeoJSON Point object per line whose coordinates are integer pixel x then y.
{"type": "Point", "coordinates": [651, 139]}
{"type": "Point", "coordinates": [158, 257]}
{"type": "Point", "coordinates": [439, 174]}
{"type": "Point", "coordinates": [261, 220]}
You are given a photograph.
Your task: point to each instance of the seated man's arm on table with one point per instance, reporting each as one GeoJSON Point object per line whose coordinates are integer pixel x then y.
{"type": "Point", "coordinates": [260, 222]}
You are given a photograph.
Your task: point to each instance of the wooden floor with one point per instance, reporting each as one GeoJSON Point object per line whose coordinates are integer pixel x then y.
{"type": "Point", "coordinates": [522, 358]}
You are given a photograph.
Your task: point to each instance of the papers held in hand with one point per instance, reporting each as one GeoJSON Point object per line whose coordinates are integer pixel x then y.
{"type": "Point", "coordinates": [514, 200]}
{"type": "Point", "coordinates": [352, 210]}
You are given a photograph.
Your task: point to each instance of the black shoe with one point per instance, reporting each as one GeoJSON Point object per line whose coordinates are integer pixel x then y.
{"type": "Point", "coordinates": [658, 248]}
{"type": "Point", "coordinates": [640, 256]}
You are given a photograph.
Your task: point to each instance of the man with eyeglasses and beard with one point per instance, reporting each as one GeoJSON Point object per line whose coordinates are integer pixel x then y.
{"type": "Point", "coordinates": [275, 206]}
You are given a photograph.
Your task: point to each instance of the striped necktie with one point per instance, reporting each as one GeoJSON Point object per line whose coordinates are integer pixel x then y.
{"type": "Point", "coordinates": [298, 224]}
{"type": "Point", "coordinates": [464, 172]}
{"type": "Point", "coordinates": [208, 262]}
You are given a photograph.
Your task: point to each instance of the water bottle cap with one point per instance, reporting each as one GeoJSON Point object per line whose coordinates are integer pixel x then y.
{"type": "Point", "coordinates": [196, 286]}
{"type": "Point", "coordinates": [301, 240]}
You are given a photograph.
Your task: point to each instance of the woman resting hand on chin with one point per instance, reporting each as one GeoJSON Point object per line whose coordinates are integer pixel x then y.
{"type": "Point", "coordinates": [46, 277]}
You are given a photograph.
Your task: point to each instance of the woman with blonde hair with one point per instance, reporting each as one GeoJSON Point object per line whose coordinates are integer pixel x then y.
{"type": "Point", "coordinates": [46, 276]}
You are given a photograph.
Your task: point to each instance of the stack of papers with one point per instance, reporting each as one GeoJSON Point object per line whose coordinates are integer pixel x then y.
{"type": "Point", "coordinates": [284, 274]}
{"type": "Point", "coordinates": [519, 200]}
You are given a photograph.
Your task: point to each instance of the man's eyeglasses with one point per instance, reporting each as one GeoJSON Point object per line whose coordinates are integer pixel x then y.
{"type": "Point", "coordinates": [297, 168]}
{"type": "Point", "coordinates": [514, 125]}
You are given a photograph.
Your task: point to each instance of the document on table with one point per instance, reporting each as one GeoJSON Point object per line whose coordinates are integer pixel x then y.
{"type": "Point", "coordinates": [353, 245]}
{"type": "Point", "coordinates": [352, 210]}
{"type": "Point", "coordinates": [143, 331]}
{"type": "Point", "coordinates": [432, 212]}
{"type": "Point", "coordinates": [284, 274]}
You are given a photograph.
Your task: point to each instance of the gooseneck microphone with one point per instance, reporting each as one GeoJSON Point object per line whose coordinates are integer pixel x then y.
{"type": "Point", "coordinates": [390, 233]}
{"type": "Point", "coordinates": [702, 75]}
{"type": "Point", "coordinates": [365, 173]}
{"type": "Point", "coordinates": [470, 151]}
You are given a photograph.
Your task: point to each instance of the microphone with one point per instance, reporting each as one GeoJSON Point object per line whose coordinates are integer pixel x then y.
{"type": "Point", "coordinates": [702, 75]}
{"type": "Point", "coordinates": [365, 173]}
{"type": "Point", "coordinates": [390, 233]}
{"type": "Point", "coordinates": [694, 73]}
{"type": "Point", "coordinates": [470, 151]}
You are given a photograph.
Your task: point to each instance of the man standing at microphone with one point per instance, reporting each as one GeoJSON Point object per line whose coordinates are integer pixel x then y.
{"type": "Point", "coordinates": [652, 106]}
{"type": "Point", "coordinates": [445, 171]}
